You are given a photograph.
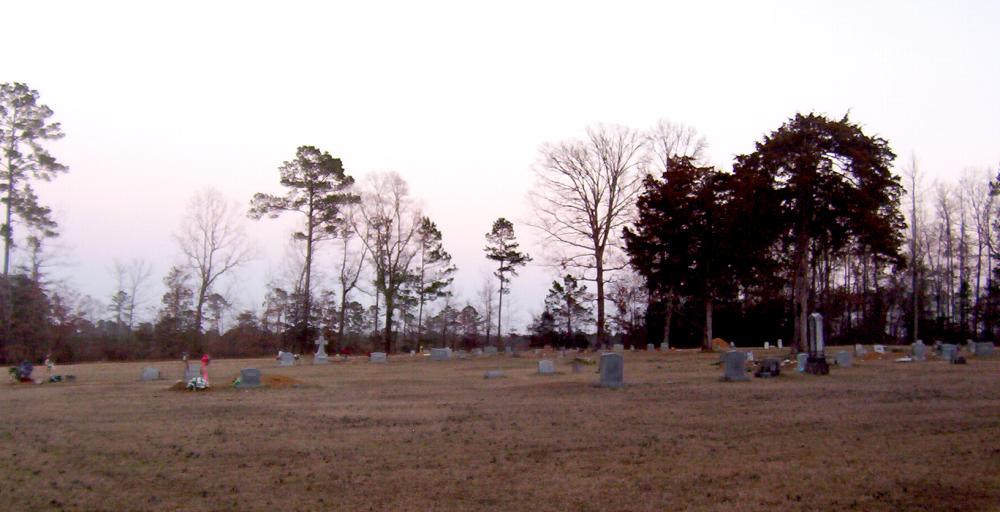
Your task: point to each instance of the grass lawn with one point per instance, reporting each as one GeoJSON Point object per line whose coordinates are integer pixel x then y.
{"type": "Point", "coordinates": [415, 434]}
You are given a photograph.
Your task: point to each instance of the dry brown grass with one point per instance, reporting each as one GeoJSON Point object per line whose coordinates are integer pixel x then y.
{"type": "Point", "coordinates": [420, 435]}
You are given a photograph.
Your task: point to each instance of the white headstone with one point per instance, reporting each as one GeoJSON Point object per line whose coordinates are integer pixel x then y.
{"type": "Point", "coordinates": [320, 356]}
{"type": "Point", "coordinates": [749, 356]}
{"type": "Point", "coordinates": [664, 346]}
{"type": "Point", "coordinates": [618, 347]}
{"type": "Point", "coordinates": [150, 373]}
{"type": "Point", "coordinates": [879, 349]}
{"type": "Point", "coordinates": [650, 347]}
{"type": "Point", "coordinates": [490, 351]}
{"type": "Point", "coordinates": [780, 345]}
{"type": "Point", "coordinates": [767, 345]}
{"type": "Point", "coordinates": [286, 359]}
{"type": "Point", "coordinates": [546, 367]}
{"type": "Point", "coordinates": [377, 357]}
{"type": "Point", "coordinates": [859, 350]}
{"type": "Point", "coordinates": [919, 351]}
{"type": "Point", "coordinates": [440, 354]}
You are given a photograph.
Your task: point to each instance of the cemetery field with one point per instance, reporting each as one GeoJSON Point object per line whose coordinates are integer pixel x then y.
{"type": "Point", "coordinates": [415, 434]}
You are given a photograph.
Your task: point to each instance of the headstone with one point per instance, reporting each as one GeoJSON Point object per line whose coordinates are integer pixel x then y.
{"type": "Point", "coordinates": [735, 365]}
{"type": "Point", "coordinates": [546, 367]}
{"type": "Point", "coordinates": [377, 357]}
{"type": "Point", "coordinates": [801, 359]}
{"type": "Point", "coordinates": [477, 352]}
{"type": "Point", "coordinates": [650, 347]}
{"type": "Point", "coordinates": [149, 373]}
{"type": "Point", "coordinates": [844, 359]}
{"type": "Point", "coordinates": [664, 346]}
{"type": "Point", "coordinates": [490, 351]}
{"type": "Point", "coordinates": [509, 350]}
{"type": "Point", "coordinates": [780, 345]}
{"type": "Point", "coordinates": [191, 371]}
{"type": "Point", "coordinates": [919, 351]}
{"type": "Point", "coordinates": [286, 359]}
{"type": "Point", "coordinates": [618, 347]}
{"type": "Point", "coordinates": [949, 352]}
{"type": "Point", "coordinates": [750, 356]}
{"type": "Point", "coordinates": [320, 356]}
{"type": "Point", "coordinates": [859, 350]}
{"type": "Point", "coordinates": [249, 378]}
{"type": "Point", "coordinates": [770, 367]}
{"type": "Point", "coordinates": [577, 367]}
{"type": "Point", "coordinates": [493, 374]}
{"type": "Point", "coordinates": [440, 354]}
{"type": "Point", "coordinates": [612, 370]}
{"type": "Point", "coordinates": [767, 345]}
{"type": "Point", "coordinates": [970, 346]}
{"type": "Point", "coordinates": [816, 364]}
{"type": "Point", "coordinates": [984, 348]}
{"type": "Point", "coordinates": [879, 349]}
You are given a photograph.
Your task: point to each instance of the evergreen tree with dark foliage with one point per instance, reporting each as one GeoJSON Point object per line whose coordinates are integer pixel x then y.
{"type": "Point", "coordinates": [832, 189]}
{"type": "Point", "coordinates": [569, 303]}
{"type": "Point", "coordinates": [502, 247]}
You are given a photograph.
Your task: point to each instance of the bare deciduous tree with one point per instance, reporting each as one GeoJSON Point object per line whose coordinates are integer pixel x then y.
{"type": "Point", "coordinates": [387, 224]}
{"type": "Point", "coordinates": [584, 195]}
{"type": "Point", "coordinates": [213, 242]}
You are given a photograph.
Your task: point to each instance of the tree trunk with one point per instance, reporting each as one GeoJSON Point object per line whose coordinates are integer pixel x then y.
{"type": "Point", "coordinates": [707, 343]}
{"type": "Point", "coordinates": [801, 291]}
{"type": "Point", "coordinates": [601, 334]}
{"type": "Point", "coordinates": [668, 317]}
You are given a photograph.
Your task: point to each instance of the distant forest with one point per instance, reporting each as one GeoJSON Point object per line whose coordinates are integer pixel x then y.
{"type": "Point", "coordinates": [647, 242]}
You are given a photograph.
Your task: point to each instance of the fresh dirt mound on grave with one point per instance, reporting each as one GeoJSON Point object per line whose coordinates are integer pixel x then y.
{"type": "Point", "coordinates": [873, 356]}
{"type": "Point", "coordinates": [720, 345]}
{"type": "Point", "coordinates": [279, 381]}
{"type": "Point", "coordinates": [182, 386]}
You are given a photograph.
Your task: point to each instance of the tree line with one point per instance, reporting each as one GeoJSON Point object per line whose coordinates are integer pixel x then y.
{"type": "Point", "coordinates": [676, 251]}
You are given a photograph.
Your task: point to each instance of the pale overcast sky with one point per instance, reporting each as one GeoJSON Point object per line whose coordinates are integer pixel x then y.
{"type": "Point", "coordinates": [159, 100]}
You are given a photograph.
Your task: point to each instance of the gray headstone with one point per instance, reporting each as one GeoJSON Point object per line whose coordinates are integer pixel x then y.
{"type": "Point", "coordinates": [817, 345]}
{"type": "Point", "coordinates": [546, 367]}
{"type": "Point", "coordinates": [844, 359]}
{"type": "Point", "coordinates": [949, 352]}
{"type": "Point", "coordinates": [490, 351]}
{"type": "Point", "coordinates": [800, 362]}
{"type": "Point", "coordinates": [769, 367]}
{"type": "Point", "coordinates": [984, 348]}
{"type": "Point", "coordinates": [650, 347]}
{"type": "Point", "coordinates": [970, 346]}
{"type": "Point", "coordinates": [919, 351]}
{"type": "Point", "coordinates": [378, 357]}
{"type": "Point", "coordinates": [749, 356]}
{"type": "Point", "coordinates": [612, 370]}
{"type": "Point", "coordinates": [149, 373]}
{"type": "Point", "coordinates": [286, 359]}
{"type": "Point", "coordinates": [618, 347]}
{"type": "Point", "coordinates": [477, 352]}
{"type": "Point", "coordinates": [440, 354]}
{"type": "Point", "coordinates": [249, 378]}
{"type": "Point", "coordinates": [859, 350]}
{"type": "Point", "coordinates": [664, 346]}
{"type": "Point", "coordinates": [493, 374]}
{"type": "Point", "coordinates": [191, 371]}
{"type": "Point", "coordinates": [509, 350]}
{"type": "Point", "coordinates": [734, 363]}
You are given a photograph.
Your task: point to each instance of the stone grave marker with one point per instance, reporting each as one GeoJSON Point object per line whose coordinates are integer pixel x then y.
{"type": "Point", "coordinates": [767, 345]}
{"type": "Point", "coordinates": [509, 350]}
{"type": "Point", "coordinates": [477, 351]}
{"type": "Point", "coordinates": [440, 354]}
{"type": "Point", "coordinates": [149, 373]}
{"type": "Point", "coordinates": [816, 364]}
{"type": "Point", "coordinates": [493, 374]}
{"type": "Point", "coordinates": [919, 351]}
{"type": "Point", "coordinates": [286, 359]}
{"type": "Point", "coordinates": [618, 347]}
{"type": "Point", "coordinates": [612, 369]}
{"type": "Point", "coordinates": [844, 359]}
{"type": "Point", "coordinates": [880, 349]}
{"type": "Point", "coordinates": [801, 359]}
{"type": "Point", "coordinates": [859, 350]}
{"type": "Point", "coordinates": [650, 347]}
{"type": "Point", "coordinates": [249, 378]}
{"type": "Point", "coordinates": [749, 356]}
{"type": "Point", "coordinates": [780, 343]}
{"type": "Point", "coordinates": [949, 352]}
{"type": "Point", "coordinates": [734, 363]}
{"type": "Point", "coordinates": [664, 346]}
{"type": "Point", "coordinates": [546, 367]}
{"type": "Point", "coordinates": [378, 357]}
{"type": "Point", "coordinates": [191, 371]}
{"type": "Point", "coordinates": [770, 367]}
{"type": "Point", "coordinates": [320, 356]}
{"type": "Point", "coordinates": [490, 351]}
{"type": "Point", "coordinates": [984, 348]}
